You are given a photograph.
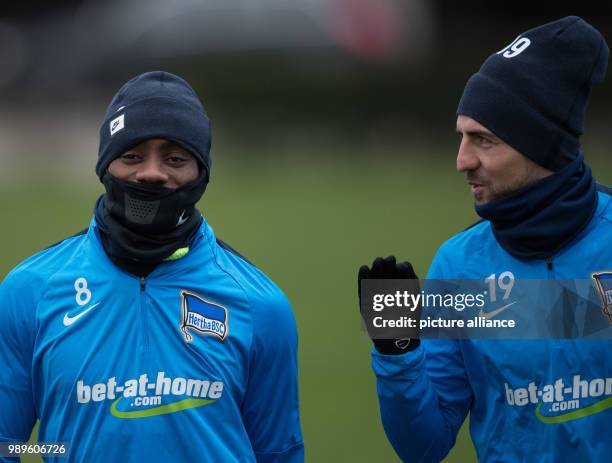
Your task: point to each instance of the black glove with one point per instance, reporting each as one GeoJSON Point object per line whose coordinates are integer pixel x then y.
{"type": "Point", "coordinates": [388, 269]}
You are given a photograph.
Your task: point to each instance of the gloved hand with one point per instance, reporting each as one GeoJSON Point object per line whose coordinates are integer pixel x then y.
{"type": "Point", "coordinates": [388, 268]}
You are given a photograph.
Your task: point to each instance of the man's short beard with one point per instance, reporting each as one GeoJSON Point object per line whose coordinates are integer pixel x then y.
{"type": "Point", "coordinates": [531, 176]}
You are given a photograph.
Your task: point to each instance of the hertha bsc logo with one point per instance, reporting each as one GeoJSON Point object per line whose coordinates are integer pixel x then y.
{"type": "Point", "coordinates": [203, 316]}
{"type": "Point", "coordinates": [603, 283]}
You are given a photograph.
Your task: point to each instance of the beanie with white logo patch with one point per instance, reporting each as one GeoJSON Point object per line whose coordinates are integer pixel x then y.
{"type": "Point", "coordinates": [155, 104]}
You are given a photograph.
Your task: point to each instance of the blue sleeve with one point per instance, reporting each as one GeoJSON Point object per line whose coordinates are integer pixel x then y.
{"type": "Point", "coordinates": [424, 395]}
{"type": "Point", "coordinates": [17, 412]}
{"type": "Point", "coordinates": [271, 407]}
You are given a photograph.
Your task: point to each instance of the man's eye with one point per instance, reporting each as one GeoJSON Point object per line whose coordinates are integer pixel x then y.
{"type": "Point", "coordinates": [483, 140]}
{"type": "Point", "coordinates": [176, 159]}
{"type": "Point", "coordinates": [129, 157]}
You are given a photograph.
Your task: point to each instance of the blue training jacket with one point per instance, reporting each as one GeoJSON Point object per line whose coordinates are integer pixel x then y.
{"type": "Point", "coordinates": [197, 362]}
{"type": "Point", "coordinates": [529, 401]}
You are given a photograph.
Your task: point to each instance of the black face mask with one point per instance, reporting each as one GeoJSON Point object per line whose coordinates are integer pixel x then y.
{"type": "Point", "coordinates": [147, 223]}
{"type": "Point", "coordinates": [149, 208]}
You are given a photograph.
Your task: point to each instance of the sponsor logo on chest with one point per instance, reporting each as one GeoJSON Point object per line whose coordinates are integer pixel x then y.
{"type": "Point", "coordinates": [143, 397]}
{"type": "Point", "coordinates": [562, 401]}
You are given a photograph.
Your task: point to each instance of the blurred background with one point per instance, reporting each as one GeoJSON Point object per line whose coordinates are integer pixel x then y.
{"type": "Point", "coordinates": [333, 142]}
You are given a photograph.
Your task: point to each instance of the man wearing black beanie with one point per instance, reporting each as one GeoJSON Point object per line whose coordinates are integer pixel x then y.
{"type": "Point", "coordinates": [544, 218]}
{"type": "Point", "coordinates": [145, 337]}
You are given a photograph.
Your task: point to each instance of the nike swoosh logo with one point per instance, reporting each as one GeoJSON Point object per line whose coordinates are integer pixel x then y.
{"type": "Point", "coordinates": [495, 312]}
{"type": "Point", "coordinates": [68, 320]}
{"type": "Point", "coordinates": [182, 219]}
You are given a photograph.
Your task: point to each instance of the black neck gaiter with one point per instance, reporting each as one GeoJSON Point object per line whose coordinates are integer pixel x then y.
{"type": "Point", "coordinates": [144, 224]}
{"type": "Point", "coordinates": [534, 223]}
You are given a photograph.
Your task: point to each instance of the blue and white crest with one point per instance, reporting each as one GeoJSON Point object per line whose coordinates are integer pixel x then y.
{"type": "Point", "coordinates": [603, 283]}
{"type": "Point", "coordinates": [203, 316]}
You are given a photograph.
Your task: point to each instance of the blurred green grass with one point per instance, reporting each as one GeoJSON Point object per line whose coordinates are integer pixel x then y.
{"type": "Point", "coordinates": [309, 224]}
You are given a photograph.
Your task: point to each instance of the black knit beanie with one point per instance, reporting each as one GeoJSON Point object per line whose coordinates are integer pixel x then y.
{"type": "Point", "coordinates": [533, 93]}
{"type": "Point", "coordinates": [154, 105]}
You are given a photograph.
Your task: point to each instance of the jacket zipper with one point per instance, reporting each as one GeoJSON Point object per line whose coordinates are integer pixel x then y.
{"type": "Point", "coordinates": [143, 315]}
{"type": "Point", "coordinates": [549, 263]}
